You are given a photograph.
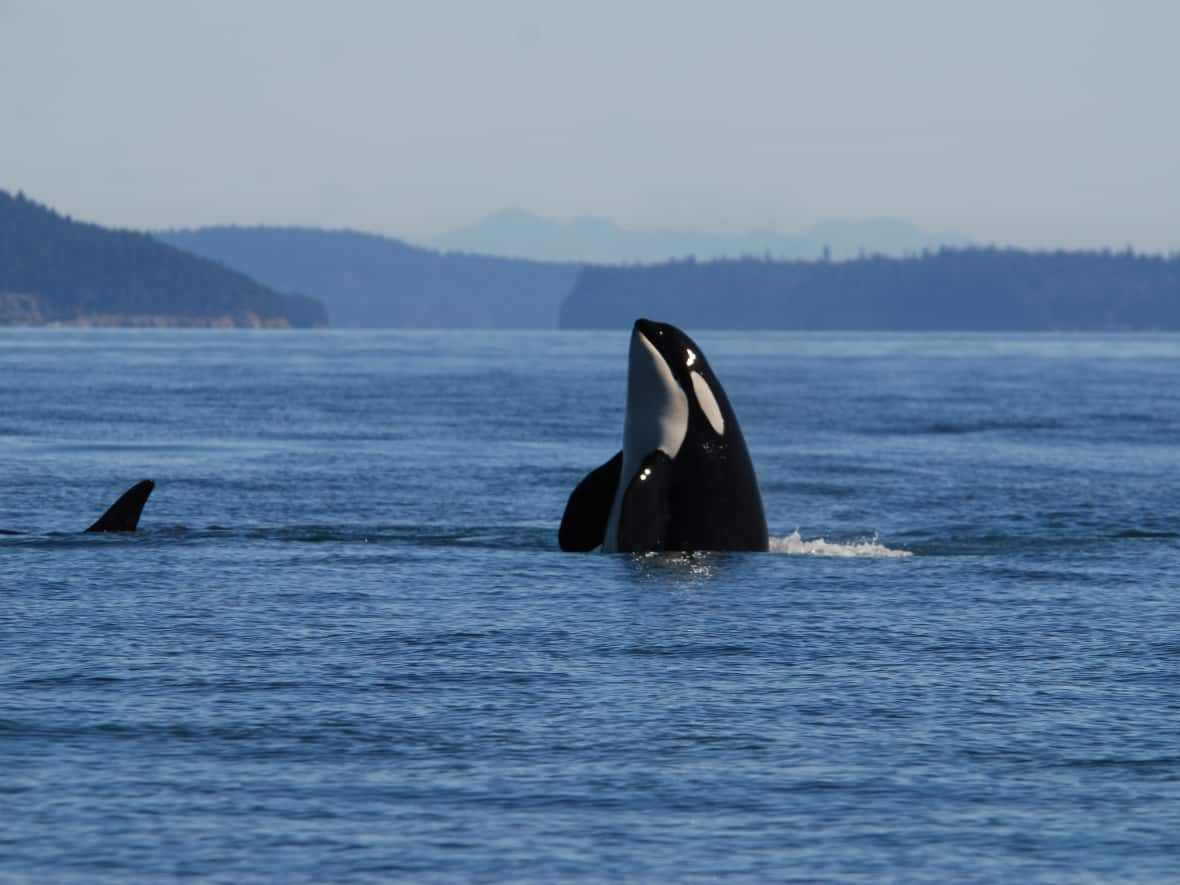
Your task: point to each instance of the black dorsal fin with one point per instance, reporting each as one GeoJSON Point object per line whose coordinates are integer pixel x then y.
{"type": "Point", "coordinates": [123, 515]}
{"type": "Point", "coordinates": [583, 525]}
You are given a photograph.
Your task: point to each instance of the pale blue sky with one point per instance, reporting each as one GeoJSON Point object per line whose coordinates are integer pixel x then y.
{"type": "Point", "coordinates": [1038, 124]}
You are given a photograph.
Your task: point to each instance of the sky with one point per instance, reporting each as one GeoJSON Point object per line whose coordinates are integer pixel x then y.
{"type": "Point", "coordinates": [1038, 123]}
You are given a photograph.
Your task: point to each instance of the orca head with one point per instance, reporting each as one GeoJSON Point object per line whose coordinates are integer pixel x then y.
{"type": "Point", "coordinates": [668, 381]}
{"type": "Point", "coordinates": [675, 407]}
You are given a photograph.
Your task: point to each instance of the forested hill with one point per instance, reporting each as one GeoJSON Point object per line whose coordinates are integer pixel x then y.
{"type": "Point", "coordinates": [374, 281]}
{"type": "Point", "coordinates": [952, 289]}
{"type": "Point", "coordinates": [56, 270]}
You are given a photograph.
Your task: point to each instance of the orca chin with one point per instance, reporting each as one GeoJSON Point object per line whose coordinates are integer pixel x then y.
{"type": "Point", "coordinates": [683, 480]}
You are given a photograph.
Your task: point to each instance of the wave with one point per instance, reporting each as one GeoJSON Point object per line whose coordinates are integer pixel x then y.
{"type": "Point", "coordinates": [794, 544]}
{"type": "Point", "coordinates": [434, 536]}
{"type": "Point", "coordinates": [1146, 533]}
{"type": "Point", "coordinates": [965, 426]}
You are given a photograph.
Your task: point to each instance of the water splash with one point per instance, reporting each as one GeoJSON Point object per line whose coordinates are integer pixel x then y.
{"type": "Point", "coordinates": [794, 543]}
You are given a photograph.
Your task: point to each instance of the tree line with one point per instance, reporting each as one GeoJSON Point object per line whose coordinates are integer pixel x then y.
{"type": "Point", "coordinates": [962, 289]}
{"type": "Point", "coordinates": [61, 270]}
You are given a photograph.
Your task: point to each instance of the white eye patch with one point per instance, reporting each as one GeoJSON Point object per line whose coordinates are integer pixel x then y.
{"type": "Point", "coordinates": [708, 403]}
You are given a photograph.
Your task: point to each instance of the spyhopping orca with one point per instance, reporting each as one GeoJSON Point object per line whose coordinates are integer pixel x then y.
{"type": "Point", "coordinates": [683, 480]}
{"type": "Point", "coordinates": [123, 515]}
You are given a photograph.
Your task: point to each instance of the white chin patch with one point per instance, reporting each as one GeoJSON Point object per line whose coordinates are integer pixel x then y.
{"type": "Point", "coordinates": [657, 418]}
{"type": "Point", "coordinates": [708, 403]}
{"type": "Point", "coordinates": [657, 409]}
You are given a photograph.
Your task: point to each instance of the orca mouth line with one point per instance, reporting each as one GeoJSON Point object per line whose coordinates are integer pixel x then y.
{"type": "Point", "coordinates": [666, 341]}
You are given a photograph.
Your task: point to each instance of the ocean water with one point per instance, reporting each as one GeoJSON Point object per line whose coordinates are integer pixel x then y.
{"type": "Point", "coordinates": [344, 647]}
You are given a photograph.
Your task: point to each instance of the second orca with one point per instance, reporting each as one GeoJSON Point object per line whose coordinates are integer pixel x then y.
{"type": "Point", "coordinates": [123, 515]}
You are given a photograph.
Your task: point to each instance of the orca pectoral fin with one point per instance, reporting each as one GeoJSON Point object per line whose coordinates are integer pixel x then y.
{"type": "Point", "coordinates": [583, 525]}
{"type": "Point", "coordinates": [123, 515]}
{"type": "Point", "coordinates": [645, 514]}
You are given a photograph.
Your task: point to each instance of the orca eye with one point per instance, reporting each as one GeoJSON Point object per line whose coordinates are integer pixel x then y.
{"type": "Point", "coordinates": [692, 358]}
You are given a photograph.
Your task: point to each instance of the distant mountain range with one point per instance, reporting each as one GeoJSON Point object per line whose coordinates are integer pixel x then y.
{"type": "Point", "coordinates": [372, 281]}
{"type": "Point", "coordinates": [520, 234]}
{"type": "Point", "coordinates": [57, 270]}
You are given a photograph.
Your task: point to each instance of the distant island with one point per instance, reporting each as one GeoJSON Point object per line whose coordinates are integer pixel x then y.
{"type": "Point", "coordinates": [520, 234]}
{"type": "Point", "coordinates": [54, 270]}
{"type": "Point", "coordinates": [370, 281]}
{"type": "Point", "coordinates": [972, 289]}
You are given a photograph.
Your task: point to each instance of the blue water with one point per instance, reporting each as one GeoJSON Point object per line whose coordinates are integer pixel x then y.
{"type": "Point", "coordinates": [344, 647]}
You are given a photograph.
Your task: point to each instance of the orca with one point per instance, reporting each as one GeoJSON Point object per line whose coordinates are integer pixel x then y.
{"type": "Point", "coordinates": [683, 480]}
{"type": "Point", "coordinates": [123, 515]}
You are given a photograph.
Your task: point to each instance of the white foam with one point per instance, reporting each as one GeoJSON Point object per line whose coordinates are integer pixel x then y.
{"type": "Point", "coordinates": [794, 543]}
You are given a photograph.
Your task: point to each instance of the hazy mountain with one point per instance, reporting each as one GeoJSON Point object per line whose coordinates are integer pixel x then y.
{"type": "Point", "coordinates": [372, 281]}
{"type": "Point", "coordinates": [521, 234]}
{"type": "Point", "coordinates": [948, 290]}
{"type": "Point", "coordinates": [57, 270]}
